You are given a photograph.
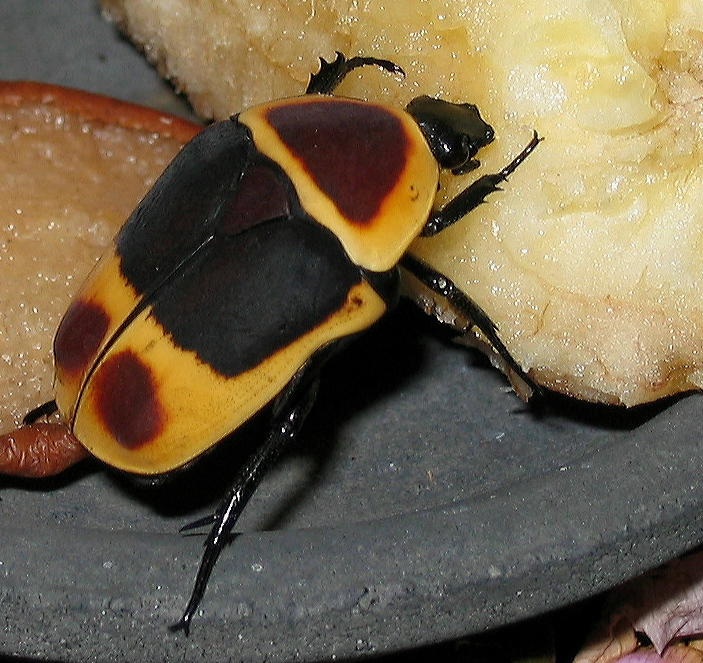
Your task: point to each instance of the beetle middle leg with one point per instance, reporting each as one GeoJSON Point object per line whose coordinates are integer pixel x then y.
{"type": "Point", "coordinates": [469, 309]}
{"type": "Point", "coordinates": [289, 414]}
{"type": "Point", "coordinates": [453, 211]}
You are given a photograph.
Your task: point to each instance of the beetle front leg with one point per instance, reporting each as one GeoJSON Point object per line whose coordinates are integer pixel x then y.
{"type": "Point", "coordinates": [331, 74]}
{"type": "Point", "coordinates": [285, 426]}
{"type": "Point", "coordinates": [476, 193]}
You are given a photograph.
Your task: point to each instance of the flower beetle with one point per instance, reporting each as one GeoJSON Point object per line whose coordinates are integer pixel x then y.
{"type": "Point", "coordinates": [271, 240]}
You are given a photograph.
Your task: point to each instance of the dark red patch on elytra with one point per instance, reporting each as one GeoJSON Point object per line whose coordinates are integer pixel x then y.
{"type": "Point", "coordinates": [127, 401]}
{"type": "Point", "coordinates": [80, 335]}
{"type": "Point", "coordinates": [260, 196]}
{"type": "Point", "coordinates": [355, 152]}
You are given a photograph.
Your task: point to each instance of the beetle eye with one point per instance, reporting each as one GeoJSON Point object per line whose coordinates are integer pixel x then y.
{"type": "Point", "coordinates": [457, 153]}
{"type": "Point", "coordinates": [468, 163]}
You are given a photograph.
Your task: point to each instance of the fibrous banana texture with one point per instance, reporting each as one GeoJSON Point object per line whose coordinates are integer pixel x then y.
{"type": "Point", "coordinates": [591, 260]}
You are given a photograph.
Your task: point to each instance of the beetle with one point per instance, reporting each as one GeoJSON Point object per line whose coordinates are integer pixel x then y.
{"type": "Point", "coordinates": [270, 241]}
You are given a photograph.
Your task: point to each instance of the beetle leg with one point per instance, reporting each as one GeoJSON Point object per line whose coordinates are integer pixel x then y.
{"type": "Point", "coordinates": [200, 522]}
{"type": "Point", "coordinates": [43, 410]}
{"type": "Point", "coordinates": [476, 193]}
{"type": "Point", "coordinates": [468, 308]}
{"type": "Point", "coordinates": [285, 426]}
{"type": "Point", "coordinates": [331, 74]}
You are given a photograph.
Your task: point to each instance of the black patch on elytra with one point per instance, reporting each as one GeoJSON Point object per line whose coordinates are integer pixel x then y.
{"type": "Point", "coordinates": [244, 297]}
{"type": "Point", "coordinates": [232, 267]}
{"type": "Point", "coordinates": [182, 210]}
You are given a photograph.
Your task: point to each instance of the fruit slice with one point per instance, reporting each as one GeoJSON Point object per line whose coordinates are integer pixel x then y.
{"type": "Point", "coordinates": [590, 261]}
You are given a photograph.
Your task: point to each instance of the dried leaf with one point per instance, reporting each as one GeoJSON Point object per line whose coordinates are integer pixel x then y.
{"type": "Point", "coordinates": [665, 605]}
{"type": "Point", "coordinates": [612, 638]}
{"type": "Point", "coordinates": [679, 653]}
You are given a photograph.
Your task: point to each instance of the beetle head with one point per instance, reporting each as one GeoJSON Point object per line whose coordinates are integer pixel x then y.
{"type": "Point", "coordinates": [454, 132]}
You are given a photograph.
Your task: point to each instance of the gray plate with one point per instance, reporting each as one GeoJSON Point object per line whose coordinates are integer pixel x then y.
{"type": "Point", "coordinates": [425, 501]}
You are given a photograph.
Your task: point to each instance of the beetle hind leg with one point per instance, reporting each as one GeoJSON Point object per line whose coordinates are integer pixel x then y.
{"type": "Point", "coordinates": [286, 423]}
{"type": "Point", "coordinates": [331, 74]}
